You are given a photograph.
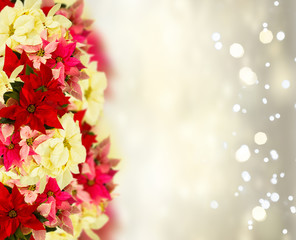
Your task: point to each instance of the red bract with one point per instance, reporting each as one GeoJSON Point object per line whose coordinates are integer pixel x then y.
{"type": "Point", "coordinates": [15, 212]}
{"type": "Point", "coordinates": [33, 110]}
{"type": "Point", "coordinates": [11, 62]}
{"type": "Point", "coordinates": [51, 88]}
{"type": "Point", "coordinates": [4, 3]}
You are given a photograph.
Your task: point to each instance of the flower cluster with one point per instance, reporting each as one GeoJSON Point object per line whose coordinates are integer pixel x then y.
{"type": "Point", "coordinates": [56, 176]}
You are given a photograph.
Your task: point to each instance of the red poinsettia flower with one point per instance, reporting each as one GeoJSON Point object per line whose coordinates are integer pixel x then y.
{"type": "Point", "coordinates": [4, 3]}
{"type": "Point", "coordinates": [52, 189]}
{"type": "Point", "coordinates": [43, 81]}
{"type": "Point", "coordinates": [33, 110]}
{"type": "Point", "coordinates": [15, 212]}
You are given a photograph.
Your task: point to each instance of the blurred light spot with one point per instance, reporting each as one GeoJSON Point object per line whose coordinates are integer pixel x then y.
{"type": "Point", "coordinates": [247, 76]}
{"type": "Point", "coordinates": [218, 45]}
{"type": "Point", "coordinates": [285, 231]}
{"type": "Point", "coordinates": [259, 213]}
{"type": "Point", "coordinates": [282, 175]}
{"type": "Point", "coordinates": [256, 151]}
{"type": "Point", "coordinates": [274, 175]}
{"type": "Point", "coordinates": [274, 155]}
{"type": "Point", "coordinates": [244, 110]}
{"type": "Point", "coordinates": [273, 181]}
{"type": "Point", "coordinates": [268, 194]}
{"type": "Point", "coordinates": [233, 133]}
{"type": "Point", "coordinates": [240, 188]}
{"type": "Point", "coordinates": [225, 145]}
{"type": "Point", "coordinates": [236, 50]}
{"type": "Point", "coordinates": [236, 194]}
{"type": "Point", "coordinates": [243, 154]}
{"type": "Point", "coordinates": [276, 3]}
{"type": "Point", "coordinates": [236, 108]}
{"type": "Point", "coordinates": [250, 227]}
{"type": "Point", "coordinates": [286, 84]}
{"type": "Point", "coordinates": [264, 100]}
{"type": "Point", "coordinates": [216, 36]}
{"type": "Point", "coordinates": [265, 36]}
{"type": "Point", "coordinates": [293, 209]}
{"type": "Point", "coordinates": [265, 204]}
{"type": "Point", "coordinates": [260, 138]}
{"type": "Point", "coordinates": [290, 198]}
{"type": "Point", "coordinates": [265, 25]}
{"type": "Point", "coordinates": [275, 197]}
{"type": "Point", "coordinates": [271, 118]}
{"type": "Point", "coordinates": [246, 176]}
{"type": "Point", "coordinates": [267, 64]}
{"type": "Point", "coordinates": [277, 115]}
{"type": "Point", "coordinates": [280, 36]}
{"type": "Point", "coordinates": [214, 204]}
{"type": "Point", "coordinates": [266, 86]}
{"type": "Point", "coordinates": [250, 222]}
{"type": "Point", "coordinates": [266, 159]}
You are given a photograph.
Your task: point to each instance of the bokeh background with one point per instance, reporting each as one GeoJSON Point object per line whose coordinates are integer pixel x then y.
{"type": "Point", "coordinates": [202, 111]}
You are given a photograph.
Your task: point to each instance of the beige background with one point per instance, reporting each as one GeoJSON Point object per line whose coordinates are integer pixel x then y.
{"type": "Point", "coordinates": [172, 117]}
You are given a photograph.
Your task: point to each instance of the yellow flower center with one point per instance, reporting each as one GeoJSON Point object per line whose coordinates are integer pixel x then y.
{"type": "Point", "coordinates": [30, 141]}
{"type": "Point", "coordinates": [11, 30]}
{"type": "Point", "coordinates": [59, 59]}
{"type": "Point", "coordinates": [11, 146]}
{"type": "Point", "coordinates": [40, 53]}
{"type": "Point", "coordinates": [31, 108]}
{"type": "Point", "coordinates": [32, 187]}
{"type": "Point", "coordinates": [67, 144]}
{"type": "Point", "coordinates": [91, 182]}
{"type": "Point", "coordinates": [50, 194]}
{"type": "Point", "coordinates": [12, 214]}
{"type": "Point", "coordinates": [74, 192]}
{"type": "Point", "coordinates": [87, 93]}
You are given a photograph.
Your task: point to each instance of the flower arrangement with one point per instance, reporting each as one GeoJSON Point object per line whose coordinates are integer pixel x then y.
{"type": "Point", "coordinates": [56, 177]}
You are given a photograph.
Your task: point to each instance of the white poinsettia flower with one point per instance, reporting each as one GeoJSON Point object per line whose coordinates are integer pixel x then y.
{"type": "Point", "coordinates": [93, 93]}
{"type": "Point", "coordinates": [60, 155]}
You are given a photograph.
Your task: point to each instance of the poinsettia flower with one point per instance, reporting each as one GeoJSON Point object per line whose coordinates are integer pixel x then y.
{"type": "Point", "coordinates": [53, 190]}
{"type": "Point", "coordinates": [78, 193]}
{"type": "Point", "coordinates": [30, 139]}
{"type": "Point", "coordinates": [63, 54]}
{"type": "Point", "coordinates": [96, 186]}
{"type": "Point", "coordinates": [40, 53]}
{"type": "Point", "coordinates": [10, 150]}
{"type": "Point", "coordinates": [34, 111]}
{"type": "Point", "coordinates": [15, 212]}
{"type": "Point", "coordinates": [30, 192]}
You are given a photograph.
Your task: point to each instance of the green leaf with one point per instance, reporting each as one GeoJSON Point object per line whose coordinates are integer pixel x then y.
{"type": "Point", "coordinates": [48, 229]}
{"type": "Point", "coordinates": [14, 95]}
{"type": "Point", "coordinates": [29, 70]}
{"type": "Point", "coordinates": [19, 234]}
{"type": "Point", "coordinates": [40, 217]}
{"type": "Point", "coordinates": [27, 237]}
{"type": "Point", "coordinates": [17, 86]}
{"type": "Point", "coordinates": [7, 121]}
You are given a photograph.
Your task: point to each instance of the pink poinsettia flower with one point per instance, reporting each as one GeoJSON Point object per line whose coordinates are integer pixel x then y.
{"type": "Point", "coordinates": [29, 192]}
{"type": "Point", "coordinates": [53, 190]}
{"type": "Point", "coordinates": [63, 54]}
{"type": "Point", "coordinates": [78, 193]}
{"type": "Point", "coordinates": [30, 139]}
{"type": "Point", "coordinates": [96, 186]}
{"type": "Point", "coordinates": [40, 53]}
{"type": "Point", "coordinates": [49, 211]}
{"type": "Point", "coordinates": [10, 150]}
